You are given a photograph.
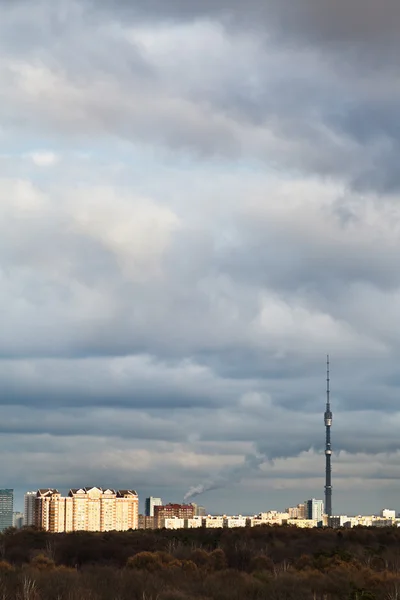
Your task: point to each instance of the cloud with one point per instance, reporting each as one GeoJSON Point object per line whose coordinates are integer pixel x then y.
{"type": "Point", "coordinates": [44, 159]}
{"type": "Point", "coordinates": [198, 201]}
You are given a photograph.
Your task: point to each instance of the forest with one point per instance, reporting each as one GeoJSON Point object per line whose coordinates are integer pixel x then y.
{"type": "Point", "coordinates": [267, 562]}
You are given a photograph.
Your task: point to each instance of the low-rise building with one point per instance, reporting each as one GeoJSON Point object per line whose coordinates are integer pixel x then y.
{"type": "Point", "coordinates": [339, 521]}
{"type": "Point", "coordinates": [194, 523]}
{"type": "Point", "coordinates": [274, 517]}
{"type": "Point", "coordinates": [235, 521]}
{"type": "Point", "coordinates": [303, 523]}
{"type": "Point", "coordinates": [388, 513]}
{"type": "Point", "coordinates": [173, 523]}
{"type": "Point", "coordinates": [146, 522]}
{"type": "Point", "coordinates": [213, 522]}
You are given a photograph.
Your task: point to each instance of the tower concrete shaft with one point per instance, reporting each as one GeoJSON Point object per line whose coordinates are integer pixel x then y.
{"type": "Point", "coordinates": [328, 449]}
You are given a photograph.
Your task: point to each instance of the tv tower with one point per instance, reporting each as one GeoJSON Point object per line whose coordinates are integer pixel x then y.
{"type": "Point", "coordinates": [328, 450]}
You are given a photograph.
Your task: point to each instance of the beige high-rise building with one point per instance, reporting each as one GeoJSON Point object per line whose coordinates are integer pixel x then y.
{"type": "Point", "coordinates": [87, 509]}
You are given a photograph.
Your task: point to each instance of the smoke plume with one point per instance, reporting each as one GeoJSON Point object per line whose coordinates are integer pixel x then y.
{"type": "Point", "coordinates": [233, 475]}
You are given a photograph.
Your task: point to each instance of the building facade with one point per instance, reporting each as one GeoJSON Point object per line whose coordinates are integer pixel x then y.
{"type": "Point", "coordinates": [297, 512]}
{"type": "Point", "coordinates": [388, 513]}
{"type": "Point", "coordinates": [213, 522]}
{"type": "Point", "coordinates": [314, 509]}
{"type": "Point", "coordinates": [194, 523]}
{"type": "Point", "coordinates": [29, 508]}
{"type": "Point", "coordinates": [199, 511]}
{"type": "Point", "coordinates": [6, 508]}
{"type": "Point", "coordinates": [150, 503]}
{"type": "Point", "coordinates": [18, 520]}
{"type": "Point", "coordinates": [146, 522]}
{"type": "Point", "coordinates": [169, 511]}
{"type": "Point", "coordinates": [86, 509]}
{"type": "Point", "coordinates": [238, 521]}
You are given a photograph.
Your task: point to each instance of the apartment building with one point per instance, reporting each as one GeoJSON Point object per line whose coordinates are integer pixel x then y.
{"type": "Point", "coordinates": [6, 508]}
{"type": "Point", "coordinates": [213, 522]}
{"type": "Point", "coordinates": [194, 523]}
{"type": "Point", "coordinates": [86, 509]}
{"type": "Point", "coordinates": [238, 521]}
{"type": "Point", "coordinates": [169, 511]}
{"type": "Point", "coordinates": [303, 523]}
{"type": "Point", "coordinates": [146, 522]}
{"type": "Point", "coordinates": [174, 523]}
{"type": "Point", "coordinates": [297, 512]}
{"type": "Point", "coordinates": [29, 508]}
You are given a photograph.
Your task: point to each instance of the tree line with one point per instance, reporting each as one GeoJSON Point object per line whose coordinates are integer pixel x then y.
{"type": "Point", "coordinates": [266, 562]}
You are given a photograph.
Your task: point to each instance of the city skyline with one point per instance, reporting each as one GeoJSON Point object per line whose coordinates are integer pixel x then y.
{"type": "Point", "coordinates": [101, 509]}
{"type": "Point", "coordinates": [197, 204]}
{"type": "Point", "coordinates": [313, 509]}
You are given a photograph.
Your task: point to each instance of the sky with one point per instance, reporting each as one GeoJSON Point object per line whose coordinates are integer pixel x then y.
{"type": "Point", "coordinates": [199, 200]}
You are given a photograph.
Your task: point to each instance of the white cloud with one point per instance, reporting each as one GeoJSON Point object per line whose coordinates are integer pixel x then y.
{"type": "Point", "coordinates": [44, 158]}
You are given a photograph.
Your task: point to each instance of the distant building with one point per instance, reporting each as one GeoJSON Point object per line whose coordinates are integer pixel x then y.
{"type": "Point", "coordinates": [146, 522]}
{"type": "Point", "coordinates": [174, 523]}
{"type": "Point", "coordinates": [169, 511]}
{"type": "Point", "coordinates": [6, 508]}
{"type": "Point", "coordinates": [273, 517]}
{"type": "Point", "coordinates": [303, 523]}
{"type": "Point", "coordinates": [314, 509]}
{"type": "Point", "coordinates": [18, 520]}
{"type": "Point", "coordinates": [297, 512]}
{"type": "Point", "coordinates": [387, 513]}
{"type": "Point", "coordinates": [235, 521]}
{"type": "Point", "coordinates": [150, 503]}
{"type": "Point", "coordinates": [339, 521]}
{"type": "Point", "coordinates": [86, 509]}
{"type": "Point", "coordinates": [215, 522]}
{"type": "Point", "coordinates": [194, 523]}
{"type": "Point", "coordinates": [199, 511]}
{"type": "Point", "coordinates": [29, 508]}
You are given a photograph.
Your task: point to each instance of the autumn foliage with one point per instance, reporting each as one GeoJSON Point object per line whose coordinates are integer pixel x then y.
{"type": "Point", "coordinates": [269, 562]}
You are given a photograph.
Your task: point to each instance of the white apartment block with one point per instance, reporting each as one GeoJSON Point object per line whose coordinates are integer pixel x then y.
{"type": "Point", "coordinates": [193, 523]}
{"type": "Point", "coordinates": [173, 523]}
{"type": "Point", "coordinates": [87, 509]}
{"type": "Point", "coordinates": [274, 517]}
{"type": "Point", "coordinates": [303, 523]}
{"type": "Point", "coordinates": [235, 521]}
{"type": "Point", "coordinates": [213, 522]}
{"type": "Point", "coordinates": [387, 513]}
{"type": "Point", "coordinates": [255, 521]}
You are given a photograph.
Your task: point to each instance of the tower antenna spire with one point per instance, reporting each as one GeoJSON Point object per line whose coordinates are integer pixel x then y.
{"type": "Point", "coordinates": [328, 449]}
